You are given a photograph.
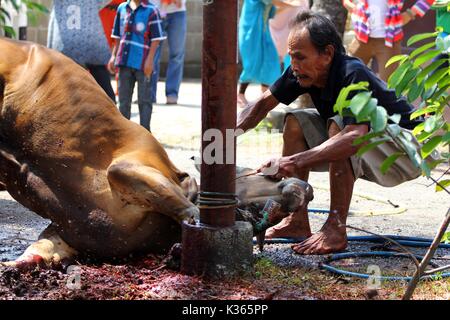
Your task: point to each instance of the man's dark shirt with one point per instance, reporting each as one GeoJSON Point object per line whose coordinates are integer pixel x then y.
{"type": "Point", "coordinates": [344, 71]}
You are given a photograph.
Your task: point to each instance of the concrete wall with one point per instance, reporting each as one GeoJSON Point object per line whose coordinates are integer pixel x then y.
{"type": "Point", "coordinates": [38, 33]}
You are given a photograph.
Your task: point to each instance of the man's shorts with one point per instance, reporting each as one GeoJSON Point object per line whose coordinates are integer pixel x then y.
{"type": "Point", "coordinates": [315, 130]}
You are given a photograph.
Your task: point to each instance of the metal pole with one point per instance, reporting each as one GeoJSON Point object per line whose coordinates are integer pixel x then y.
{"type": "Point", "coordinates": [219, 74]}
{"type": "Point", "coordinates": [218, 246]}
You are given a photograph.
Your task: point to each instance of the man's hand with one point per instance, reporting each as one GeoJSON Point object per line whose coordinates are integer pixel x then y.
{"type": "Point", "coordinates": [279, 168]}
{"type": "Point", "coordinates": [349, 5]}
{"type": "Point", "coordinates": [406, 17]}
{"type": "Point", "coordinates": [111, 66]}
{"type": "Point", "coordinates": [148, 68]}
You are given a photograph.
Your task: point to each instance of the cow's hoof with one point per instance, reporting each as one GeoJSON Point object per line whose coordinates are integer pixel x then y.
{"type": "Point", "coordinates": [27, 264]}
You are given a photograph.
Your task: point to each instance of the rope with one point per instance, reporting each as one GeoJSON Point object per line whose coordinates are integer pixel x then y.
{"type": "Point", "coordinates": [216, 200]}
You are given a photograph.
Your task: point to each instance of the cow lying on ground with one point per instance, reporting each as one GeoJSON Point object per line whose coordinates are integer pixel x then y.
{"type": "Point", "coordinates": [106, 183]}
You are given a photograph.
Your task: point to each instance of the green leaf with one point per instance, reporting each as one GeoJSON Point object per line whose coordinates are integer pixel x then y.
{"type": "Point", "coordinates": [404, 82]}
{"type": "Point", "coordinates": [426, 171]}
{"type": "Point", "coordinates": [424, 136]}
{"type": "Point", "coordinates": [394, 59]}
{"type": "Point", "coordinates": [10, 30]}
{"type": "Point", "coordinates": [367, 110]}
{"type": "Point", "coordinates": [433, 164]}
{"type": "Point", "coordinates": [359, 101]}
{"type": "Point", "coordinates": [398, 74]}
{"type": "Point", "coordinates": [371, 145]}
{"type": "Point", "coordinates": [404, 139]}
{"type": "Point", "coordinates": [422, 49]}
{"type": "Point", "coordinates": [395, 118]}
{"type": "Point", "coordinates": [427, 94]}
{"type": "Point", "coordinates": [418, 129]}
{"type": "Point", "coordinates": [422, 111]}
{"type": "Point", "coordinates": [428, 147]}
{"type": "Point", "coordinates": [446, 236]}
{"type": "Point", "coordinates": [389, 161]}
{"type": "Point", "coordinates": [440, 94]}
{"type": "Point", "coordinates": [366, 137]}
{"type": "Point", "coordinates": [446, 138]}
{"type": "Point", "coordinates": [415, 91]}
{"type": "Point", "coordinates": [429, 69]}
{"type": "Point", "coordinates": [419, 37]}
{"type": "Point", "coordinates": [435, 77]}
{"type": "Point", "coordinates": [427, 56]}
{"type": "Point", "coordinates": [393, 129]}
{"type": "Point", "coordinates": [343, 94]}
{"type": "Point", "coordinates": [445, 184]}
{"type": "Point", "coordinates": [433, 123]}
{"type": "Point", "coordinates": [378, 119]}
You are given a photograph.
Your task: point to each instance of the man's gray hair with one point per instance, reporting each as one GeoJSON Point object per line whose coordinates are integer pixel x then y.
{"type": "Point", "coordinates": [322, 31]}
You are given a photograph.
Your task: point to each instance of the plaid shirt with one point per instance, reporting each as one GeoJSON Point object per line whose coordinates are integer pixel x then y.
{"type": "Point", "coordinates": [136, 30]}
{"type": "Point", "coordinates": [393, 20]}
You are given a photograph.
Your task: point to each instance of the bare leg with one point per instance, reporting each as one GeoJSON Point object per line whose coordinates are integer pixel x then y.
{"type": "Point", "coordinates": [333, 237]}
{"type": "Point", "coordinates": [295, 225]}
{"type": "Point", "coordinates": [49, 250]}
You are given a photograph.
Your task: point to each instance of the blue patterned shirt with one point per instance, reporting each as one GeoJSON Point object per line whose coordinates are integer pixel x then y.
{"type": "Point", "coordinates": [136, 30]}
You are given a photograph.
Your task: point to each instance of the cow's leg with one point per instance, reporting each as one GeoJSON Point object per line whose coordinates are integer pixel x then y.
{"type": "Point", "coordinates": [49, 250]}
{"type": "Point", "coordinates": [189, 186]}
{"type": "Point", "coordinates": [139, 184]}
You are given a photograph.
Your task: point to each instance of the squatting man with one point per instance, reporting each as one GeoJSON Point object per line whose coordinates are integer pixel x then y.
{"type": "Point", "coordinates": [317, 139]}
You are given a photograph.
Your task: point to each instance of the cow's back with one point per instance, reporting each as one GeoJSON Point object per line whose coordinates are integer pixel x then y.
{"type": "Point", "coordinates": [55, 112]}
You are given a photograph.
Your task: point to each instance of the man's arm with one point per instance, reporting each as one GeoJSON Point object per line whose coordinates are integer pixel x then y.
{"type": "Point", "coordinates": [349, 5]}
{"type": "Point", "coordinates": [254, 112]}
{"type": "Point", "coordinates": [112, 60]}
{"type": "Point", "coordinates": [148, 66]}
{"type": "Point", "coordinates": [338, 147]}
{"type": "Point", "coordinates": [417, 10]}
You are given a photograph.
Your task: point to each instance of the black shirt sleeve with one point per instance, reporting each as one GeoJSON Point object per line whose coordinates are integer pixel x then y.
{"type": "Point", "coordinates": [286, 89]}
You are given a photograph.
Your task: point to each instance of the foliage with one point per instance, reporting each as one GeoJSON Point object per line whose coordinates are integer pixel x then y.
{"type": "Point", "coordinates": [420, 76]}
{"type": "Point", "coordinates": [33, 7]}
{"type": "Point", "coordinates": [415, 78]}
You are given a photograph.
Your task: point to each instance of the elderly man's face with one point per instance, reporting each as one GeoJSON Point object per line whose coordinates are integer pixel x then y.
{"type": "Point", "coordinates": [309, 66]}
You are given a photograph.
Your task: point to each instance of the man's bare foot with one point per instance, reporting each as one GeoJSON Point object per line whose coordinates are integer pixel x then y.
{"type": "Point", "coordinates": [241, 100]}
{"type": "Point", "coordinates": [329, 239]}
{"type": "Point", "coordinates": [290, 227]}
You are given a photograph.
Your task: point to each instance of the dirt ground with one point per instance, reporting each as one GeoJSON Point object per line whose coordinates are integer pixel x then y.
{"type": "Point", "coordinates": [411, 209]}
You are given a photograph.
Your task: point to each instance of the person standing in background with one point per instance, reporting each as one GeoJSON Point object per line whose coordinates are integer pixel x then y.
{"type": "Point", "coordinates": [259, 56]}
{"type": "Point", "coordinates": [279, 27]}
{"type": "Point", "coordinates": [75, 30]}
{"type": "Point", "coordinates": [378, 26]}
{"type": "Point", "coordinates": [137, 33]}
{"type": "Point", "coordinates": [174, 17]}
{"type": "Point", "coordinates": [107, 16]}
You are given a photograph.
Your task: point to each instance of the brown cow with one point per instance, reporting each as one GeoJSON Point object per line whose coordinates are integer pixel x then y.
{"type": "Point", "coordinates": [67, 153]}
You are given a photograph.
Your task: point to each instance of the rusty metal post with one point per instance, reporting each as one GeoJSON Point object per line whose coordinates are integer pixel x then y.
{"type": "Point", "coordinates": [219, 74]}
{"type": "Point", "coordinates": [218, 246]}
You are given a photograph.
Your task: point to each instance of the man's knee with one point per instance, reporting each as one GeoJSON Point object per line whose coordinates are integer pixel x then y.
{"type": "Point", "coordinates": [333, 129]}
{"type": "Point", "coordinates": [292, 129]}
